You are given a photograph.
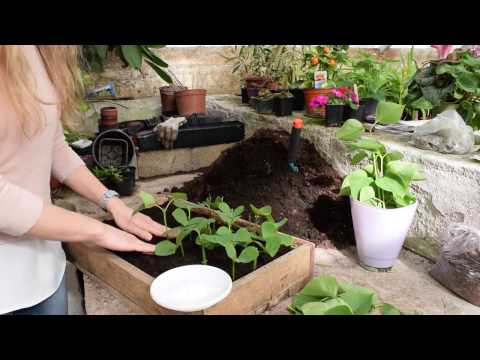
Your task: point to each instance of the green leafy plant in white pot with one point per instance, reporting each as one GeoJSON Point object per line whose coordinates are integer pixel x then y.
{"type": "Point", "coordinates": [382, 204]}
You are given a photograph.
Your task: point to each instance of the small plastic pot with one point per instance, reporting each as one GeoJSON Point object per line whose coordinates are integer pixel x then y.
{"type": "Point", "coordinates": [191, 102]}
{"type": "Point", "coordinates": [264, 106]}
{"type": "Point", "coordinates": [252, 92]}
{"type": "Point", "coordinates": [245, 97]}
{"type": "Point", "coordinates": [299, 99]}
{"type": "Point", "coordinates": [126, 187]}
{"type": "Point", "coordinates": [370, 109]}
{"type": "Point", "coordinates": [283, 106]}
{"type": "Point", "coordinates": [334, 115]}
{"type": "Point", "coordinates": [349, 113]}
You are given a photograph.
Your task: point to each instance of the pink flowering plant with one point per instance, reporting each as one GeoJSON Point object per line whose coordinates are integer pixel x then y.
{"type": "Point", "coordinates": [336, 96]}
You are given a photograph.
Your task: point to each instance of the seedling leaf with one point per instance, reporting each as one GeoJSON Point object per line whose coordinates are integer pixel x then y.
{"type": "Point", "coordinates": [180, 216]}
{"type": "Point", "coordinates": [388, 309]}
{"type": "Point", "coordinates": [361, 300]}
{"type": "Point", "coordinates": [329, 307]}
{"type": "Point", "coordinates": [148, 200]}
{"type": "Point", "coordinates": [321, 287]}
{"type": "Point", "coordinates": [165, 248]}
{"type": "Point", "coordinates": [351, 130]}
{"type": "Point", "coordinates": [249, 254]}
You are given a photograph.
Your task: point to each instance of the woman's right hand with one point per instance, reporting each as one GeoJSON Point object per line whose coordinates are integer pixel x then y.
{"type": "Point", "coordinates": [115, 239]}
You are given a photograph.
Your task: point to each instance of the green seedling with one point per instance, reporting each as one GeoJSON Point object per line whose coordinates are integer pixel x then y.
{"type": "Point", "coordinates": [226, 238]}
{"type": "Point", "coordinates": [324, 295]}
{"type": "Point", "coordinates": [212, 204]}
{"type": "Point", "coordinates": [274, 239]}
{"type": "Point", "coordinates": [229, 215]}
{"type": "Point", "coordinates": [266, 212]}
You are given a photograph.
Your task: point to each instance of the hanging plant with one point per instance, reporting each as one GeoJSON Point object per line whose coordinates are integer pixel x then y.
{"type": "Point", "coordinates": [130, 55]}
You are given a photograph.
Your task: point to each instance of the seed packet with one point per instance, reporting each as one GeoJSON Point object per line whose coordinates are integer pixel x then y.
{"type": "Point", "coordinates": [320, 78]}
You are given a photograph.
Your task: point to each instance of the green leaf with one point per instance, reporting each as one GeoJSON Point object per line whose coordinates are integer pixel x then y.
{"type": "Point", "coordinates": [351, 130]}
{"type": "Point", "coordinates": [242, 236]}
{"type": "Point", "coordinates": [388, 309]}
{"type": "Point", "coordinates": [299, 300]}
{"type": "Point", "coordinates": [165, 248]}
{"type": "Point", "coordinates": [468, 82]}
{"type": "Point", "coordinates": [404, 170]}
{"type": "Point", "coordinates": [329, 307]}
{"type": "Point", "coordinates": [321, 287]}
{"type": "Point", "coordinates": [264, 211]}
{"type": "Point", "coordinates": [388, 112]}
{"type": "Point", "coordinates": [279, 224]}
{"type": "Point", "coordinates": [133, 55]}
{"type": "Point", "coordinates": [366, 194]}
{"type": "Point", "coordinates": [249, 254]}
{"type": "Point", "coordinates": [268, 229]}
{"type": "Point", "coordinates": [404, 200]}
{"type": "Point", "coordinates": [180, 216]}
{"type": "Point", "coordinates": [369, 144]}
{"type": "Point", "coordinates": [361, 300]}
{"type": "Point", "coordinates": [163, 75]}
{"type": "Point", "coordinates": [393, 155]}
{"type": "Point", "coordinates": [369, 170]}
{"type": "Point", "coordinates": [390, 185]}
{"type": "Point", "coordinates": [354, 182]}
{"type": "Point", "coordinates": [272, 245]}
{"type": "Point", "coordinates": [148, 200]}
{"type": "Point", "coordinates": [101, 50]}
{"type": "Point", "coordinates": [285, 239]}
{"type": "Point", "coordinates": [179, 195]}
{"type": "Point", "coordinates": [238, 211]}
{"type": "Point", "coordinates": [359, 157]}
{"type": "Point", "coordinates": [223, 207]}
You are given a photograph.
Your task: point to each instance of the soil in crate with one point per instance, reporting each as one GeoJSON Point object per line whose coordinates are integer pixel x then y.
{"type": "Point", "coordinates": [255, 172]}
{"type": "Point", "coordinates": [156, 265]}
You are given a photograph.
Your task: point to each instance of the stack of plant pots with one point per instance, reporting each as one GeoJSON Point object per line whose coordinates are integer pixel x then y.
{"type": "Point", "coordinates": [168, 96]}
{"type": "Point", "coordinates": [108, 119]}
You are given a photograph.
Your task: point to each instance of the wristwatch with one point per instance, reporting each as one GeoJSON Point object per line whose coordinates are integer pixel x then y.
{"type": "Point", "coordinates": [107, 195]}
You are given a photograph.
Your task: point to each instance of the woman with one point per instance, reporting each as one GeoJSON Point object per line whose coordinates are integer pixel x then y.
{"type": "Point", "coordinates": [38, 90]}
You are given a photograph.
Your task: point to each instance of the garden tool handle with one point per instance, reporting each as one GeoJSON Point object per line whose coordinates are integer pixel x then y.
{"type": "Point", "coordinates": [293, 145]}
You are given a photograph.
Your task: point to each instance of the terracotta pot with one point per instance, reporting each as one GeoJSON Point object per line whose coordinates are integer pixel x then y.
{"type": "Point", "coordinates": [191, 102]}
{"type": "Point", "coordinates": [309, 94]}
{"type": "Point", "coordinates": [168, 96]}
{"type": "Point", "coordinates": [108, 118]}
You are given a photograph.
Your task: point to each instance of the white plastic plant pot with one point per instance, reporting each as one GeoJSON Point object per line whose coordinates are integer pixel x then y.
{"type": "Point", "coordinates": [380, 233]}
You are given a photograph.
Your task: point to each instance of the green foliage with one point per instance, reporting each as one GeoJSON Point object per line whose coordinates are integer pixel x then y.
{"type": "Point", "coordinates": [71, 136]}
{"type": "Point", "coordinates": [448, 82]}
{"type": "Point", "coordinates": [385, 181]}
{"type": "Point", "coordinates": [131, 55]}
{"type": "Point", "coordinates": [324, 295]}
{"type": "Point", "coordinates": [108, 174]}
{"type": "Point", "coordinates": [330, 58]}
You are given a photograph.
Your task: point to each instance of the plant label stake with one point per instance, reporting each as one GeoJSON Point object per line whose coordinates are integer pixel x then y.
{"type": "Point", "coordinates": [293, 146]}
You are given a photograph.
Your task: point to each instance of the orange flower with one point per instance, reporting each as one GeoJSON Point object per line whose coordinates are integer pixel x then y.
{"type": "Point", "coordinates": [326, 50]}
{"type": "Point", "coordinates": [332, 62]}
{"type": "Point", "coordinates": [314, 60]}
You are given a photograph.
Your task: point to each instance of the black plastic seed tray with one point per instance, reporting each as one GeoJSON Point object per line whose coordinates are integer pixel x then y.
{"type": "Point", "coordinates": [196, 134]}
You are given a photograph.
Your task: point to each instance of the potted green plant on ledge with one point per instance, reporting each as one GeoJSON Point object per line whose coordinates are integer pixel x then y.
{"type": "Point", "coordinates": [382, 204]}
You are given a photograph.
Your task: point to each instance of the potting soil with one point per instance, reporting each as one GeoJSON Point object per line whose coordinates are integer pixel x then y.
{"type": "Point", "coordinates": [255, 172]}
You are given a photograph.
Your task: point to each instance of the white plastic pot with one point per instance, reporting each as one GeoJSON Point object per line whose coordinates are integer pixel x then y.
{"type": "Point", "coordinates": [380, 233]}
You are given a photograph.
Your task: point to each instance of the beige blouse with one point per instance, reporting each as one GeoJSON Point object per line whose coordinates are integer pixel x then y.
{"type": "Point", "coordinates": [30, 269]}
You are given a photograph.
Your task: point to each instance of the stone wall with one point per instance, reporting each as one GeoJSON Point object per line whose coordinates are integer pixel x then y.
{"type": "Point", "coordinates": [199, 67]}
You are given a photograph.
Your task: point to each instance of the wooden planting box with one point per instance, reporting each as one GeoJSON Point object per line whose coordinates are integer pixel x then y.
{"type": "Point", "coordinates": [251, 294]}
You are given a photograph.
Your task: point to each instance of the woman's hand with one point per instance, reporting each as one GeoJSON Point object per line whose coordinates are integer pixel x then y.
{"type": "Point", "coordinates": [140, 225]}
{"type": "Point", "coordinates": [114, 239]}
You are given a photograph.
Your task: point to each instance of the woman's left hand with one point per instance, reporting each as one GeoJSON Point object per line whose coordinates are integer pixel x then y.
{"type": "Point", "coordinates": [139, 224]}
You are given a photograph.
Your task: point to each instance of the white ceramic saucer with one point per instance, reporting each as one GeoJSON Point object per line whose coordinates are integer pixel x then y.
{"type": "Point", "coordinates": [191, 287]}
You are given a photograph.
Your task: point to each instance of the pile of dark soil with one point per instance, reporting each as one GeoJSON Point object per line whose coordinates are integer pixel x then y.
{"type": "Point", "coordinates": [255, 172]}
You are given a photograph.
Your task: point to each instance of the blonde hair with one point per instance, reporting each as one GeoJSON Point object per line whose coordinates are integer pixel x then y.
{"type": "Point", "coordinates": [61, 63]}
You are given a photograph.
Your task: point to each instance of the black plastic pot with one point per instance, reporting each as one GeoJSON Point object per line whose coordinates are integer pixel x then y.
{"type": "Point", "coordinates": [283, 106]}
{"type": "Point", "coordinates": [264, 106]}
{"type": "Point", "coordinates": [334, 115]}
{"type": "Point", "coordinates": [189, 136]}
{"type": "Point", "coordinates": [252, 92]}
{"type": "Point", "coordinates": [299, 99]}
{"type": "Point", "coordinates": [349, 113]}
{"type": "Point", "coordinates": [245, 97]}
{"type": "Point", "coordinates": [126, 187]}
{"type": "Point", "coordinates": [370, 108]}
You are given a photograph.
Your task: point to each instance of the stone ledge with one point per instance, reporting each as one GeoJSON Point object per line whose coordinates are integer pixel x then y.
{"type": "Point", "coordinates": [450, 193]}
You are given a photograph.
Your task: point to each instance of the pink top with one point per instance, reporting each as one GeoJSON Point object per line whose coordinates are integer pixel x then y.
{"type": "Point", "coordinates": [30, 269]}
